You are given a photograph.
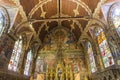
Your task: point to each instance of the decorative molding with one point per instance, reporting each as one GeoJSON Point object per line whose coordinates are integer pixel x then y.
{"type": "Point", "coordinates": [74, 21]}
{"type": "Point", "coordinates": [83, 5]}
{"type": "Point", "coordinates": [43, 13]}
{"type": "Point", "coordinates": [95, 14]}
{"type": "Point", "coordinates": [41, 3]}
{"type": "Point", "coordinates": [93, 21]}
{"type": "Point", "coordinates": [72, 26]}
{"type": "Point", "coordinates": [97, 10]}
{"type": "Point", "coordinates": [59, 14]}
{"type": "Point", "coordinates": [36, 7]}
{"type": "Point", "coordinates": [43, 25]}
{"type": "Point", "coordinates": [76, 10]}
{"type": "Point", "coordinates": [22, 12]}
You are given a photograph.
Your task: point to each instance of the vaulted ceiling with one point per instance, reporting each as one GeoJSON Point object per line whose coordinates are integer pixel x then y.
{"type": "Point", "coordinates": [49, 14]}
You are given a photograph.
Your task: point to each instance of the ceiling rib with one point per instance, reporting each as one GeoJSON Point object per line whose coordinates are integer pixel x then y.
{"type": "Point", "coordinates": [61, 18]}
{"type": "Point", "coordinates": [59, 9]}
{"type": "Point", "coordinates": [59, 15]}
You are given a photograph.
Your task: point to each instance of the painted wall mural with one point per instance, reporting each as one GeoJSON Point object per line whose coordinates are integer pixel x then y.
{"type": "Point", "coordinates": [60, 57]}
{"type": "Point", "coordinates": [60, 35]}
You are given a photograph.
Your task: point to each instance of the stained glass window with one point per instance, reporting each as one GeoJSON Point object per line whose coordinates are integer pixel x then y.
{"type": "Point", "coordinates": [1, 23]}
{"type": "Point", "coordinates": [104, 48]}
{"type": "Point", "coordinates": [114, 16]}
{"type": "Point", "coordinates": [16, 54]}
{"type": "Point", "coordinates": [91, 58]}
{"type": "Point", "coordinates": [28, 63]}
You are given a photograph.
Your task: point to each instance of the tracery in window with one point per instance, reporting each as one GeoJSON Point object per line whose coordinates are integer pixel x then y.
{"type": "Point", "coordinates": [114, 17]}
{"type": "Point", "coordinates": [104, 48]}
{"type": "Point", "coordinates": [4, 20]}
{"type": "Point", "coordinates": [2, 27]}
{"type": "Point", "coordinates": [91, 58]}
{"type": "Point", "coordinates": [16, 54]}
{"type": "Point", "coordinates": [28, 63]}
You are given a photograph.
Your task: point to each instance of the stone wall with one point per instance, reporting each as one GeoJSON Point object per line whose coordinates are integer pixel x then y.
{"type": "Point", "coordinates": [6, 47]}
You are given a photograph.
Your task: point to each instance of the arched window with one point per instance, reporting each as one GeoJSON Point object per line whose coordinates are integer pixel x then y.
{"type": "Point", "coordinates": [91, 58]}
{"type": "Point", "coordinates": [104, 48]}
{"type": "Point", "coordinates": [114, 17]}
{"type": "Point", "coordinates": [16, 54]}
{"type": "Point", "coordinates": [28, 63]}
{"type": "Point", "coordinates": [2, 22]}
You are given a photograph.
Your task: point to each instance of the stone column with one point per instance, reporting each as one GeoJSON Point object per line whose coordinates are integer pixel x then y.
{"type": "Point", "coordinates": [86, 60]}
{"type": "Point", "coordinates": [33, 66]}
{"type": "Point", "coordinates": [23, 57]}
{"type": "Point", "coordinates": [22, 61]}
{"type": "Point", "coordinates": [98, 56]}
{"type": "Point", "coordinates": [35, 51]}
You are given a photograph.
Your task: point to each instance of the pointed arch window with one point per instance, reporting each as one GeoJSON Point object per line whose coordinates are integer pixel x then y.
{"type": "Point", "coordinates": [91, 58]}
{"type": "Point", "coordinates": [114, 17]}
{"type": "Point", "coordinates": [1, 23]}
{"type": "Point", "coordinates": [104, 48]}
{"type": "Point", "coordinates": [16, 54]}
{"type": "Point", "coordinates": [4, 20]}
{"type": "Point", "coordinates": [28, 63]}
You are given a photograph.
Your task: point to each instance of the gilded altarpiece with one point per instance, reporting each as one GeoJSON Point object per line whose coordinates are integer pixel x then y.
{"type": "Point", "coordinates": [60, 58]}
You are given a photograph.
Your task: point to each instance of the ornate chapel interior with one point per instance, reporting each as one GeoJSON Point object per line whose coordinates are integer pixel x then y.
{"type": "Point", "coordinates": [59, 39]}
